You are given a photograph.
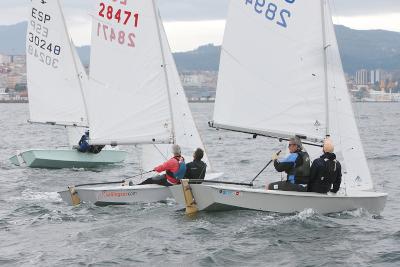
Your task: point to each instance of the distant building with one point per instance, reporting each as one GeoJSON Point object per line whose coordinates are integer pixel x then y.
{"type": "Point", "coordinates": [4, 59]}
{"type": "Point", "coordinates": [362, 77]}
{"type": "Point", "coordinates": [18, 59]}
{"type": "Point", "coordinates": [372, 77]}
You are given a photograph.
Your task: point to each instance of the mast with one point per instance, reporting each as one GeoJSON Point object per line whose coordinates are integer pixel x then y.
{"type": "Point", "coordinates": [75, 63]}
{"type": "Point", "coordinates": [325, 47]}
{"type": "Point", "coordinates": [158, 21]}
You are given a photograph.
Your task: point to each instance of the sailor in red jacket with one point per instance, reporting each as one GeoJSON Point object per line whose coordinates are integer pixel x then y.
{"type": "Point", "coordinates": [175, 169]}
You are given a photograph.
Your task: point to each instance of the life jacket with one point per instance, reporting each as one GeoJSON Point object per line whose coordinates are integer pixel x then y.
{"type": "Point", "coordinates": [180, 173]}
{"type": "Point", "coordinates": [302, 170]}
{"type": "Point", "coordinates": [325, 179]}
{"type": "Point", "coordinates": [330, 170]}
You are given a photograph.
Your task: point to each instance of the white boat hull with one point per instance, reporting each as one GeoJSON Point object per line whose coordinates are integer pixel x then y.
{"type": "Point", "coordinates": [66, 158]}
{"type": "Point", "coordinates": [221, 198]}
{"type": "Point", "coordinates": [118, 194]}
{"type": "Point", "coordinates": [121, 194]}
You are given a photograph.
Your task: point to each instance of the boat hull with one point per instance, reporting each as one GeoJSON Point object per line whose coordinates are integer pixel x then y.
{"type": "Point", "coordinates": [222, 198]}
{"type": "Point", "coordinates": [67, 158]}
{"type": "Point", "coordinates": [118, 194]}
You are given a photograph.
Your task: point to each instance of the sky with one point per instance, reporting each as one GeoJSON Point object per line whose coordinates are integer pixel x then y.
{"type": "Point", "coordinates": [191, 23]}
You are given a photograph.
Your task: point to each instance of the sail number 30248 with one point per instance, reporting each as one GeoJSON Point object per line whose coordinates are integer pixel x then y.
{"type": "Point", "coordinates": [271, 11]}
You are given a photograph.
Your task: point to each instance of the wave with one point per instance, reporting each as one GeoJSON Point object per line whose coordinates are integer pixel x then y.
{"type": "Point", "coordinates": [37, 196]}
{"type": "Point", "coordinates": [387, 157]}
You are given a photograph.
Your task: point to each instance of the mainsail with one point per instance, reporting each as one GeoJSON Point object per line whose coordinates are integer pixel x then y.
{"type": "Point", "coordinates": [128, 98]}
{"type": "Point", "coordinates": [55, 90]}
{"type": "Point", "coordinates": [284, 78]}
{"type": "Point", "coordinates": [272, 80]}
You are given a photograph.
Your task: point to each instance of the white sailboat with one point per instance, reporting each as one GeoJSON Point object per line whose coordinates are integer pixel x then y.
{"type": "Point", "coordinates": [281, 76]}
{"type": "Point", "coordinates": [56, 80]}
{"type": "Point", "coordinates": [150, 108]}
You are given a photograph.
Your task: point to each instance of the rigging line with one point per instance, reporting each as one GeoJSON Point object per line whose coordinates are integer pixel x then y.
{"type": "Point", "coordinates": [155, 146]}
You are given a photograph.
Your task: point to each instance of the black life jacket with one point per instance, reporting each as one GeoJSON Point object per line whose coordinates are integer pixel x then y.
{"type": "Point", "coordinates": [329, 171]}
{"type": "Point", "coordinates": [302, 169]}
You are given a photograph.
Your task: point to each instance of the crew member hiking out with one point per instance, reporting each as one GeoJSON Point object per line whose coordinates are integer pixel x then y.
{"type": "Point", "coordinates": [175, 169]}
{"type": "Point", "coordinates": [297, 167]}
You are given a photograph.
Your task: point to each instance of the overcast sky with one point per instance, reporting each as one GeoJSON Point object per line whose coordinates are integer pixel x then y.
{"type": "Point", "coordinates": [190, 23]}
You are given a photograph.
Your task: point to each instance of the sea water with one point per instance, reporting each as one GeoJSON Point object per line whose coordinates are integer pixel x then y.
{"type": "Point", "coordinates": [38, 229]}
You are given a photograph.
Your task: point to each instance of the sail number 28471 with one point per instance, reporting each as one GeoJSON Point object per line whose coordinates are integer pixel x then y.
{"type": "Point", "coordinates": [122, 23]}
{"type": "Point", "coordinates": [271, 11]}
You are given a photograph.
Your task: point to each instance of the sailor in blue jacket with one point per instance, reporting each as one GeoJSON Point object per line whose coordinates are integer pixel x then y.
{"type": "Point", "coordinates": [84, 142]}
{"type": "Point", "coordinates": [297, 167]}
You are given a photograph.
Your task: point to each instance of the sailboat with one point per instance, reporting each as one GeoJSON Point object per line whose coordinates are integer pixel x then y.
{"type": "Point", "coordinates": [281, 76]}
{"type": "Point", "coordinates": [150, 108]}
{"type": "Point", "coordinates": [56, 81]}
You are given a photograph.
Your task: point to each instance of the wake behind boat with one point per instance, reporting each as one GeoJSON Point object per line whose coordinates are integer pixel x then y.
{"type": "Point", "coordinates": [281, 76]}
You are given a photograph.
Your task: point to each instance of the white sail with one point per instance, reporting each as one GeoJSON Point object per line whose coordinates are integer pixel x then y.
{"type": "Point", "coordinates": [186, 133]}
{"type": "Point", "coordinates": [55, 94]}
{"type": "Point", "coordinates": [287, 78]}
{"type": "Point", "coordinates": [344, 131]}
{"type": "Point", "coordinates": [128, 100]}
{"type": "Point", "coordinates": [271, 76]}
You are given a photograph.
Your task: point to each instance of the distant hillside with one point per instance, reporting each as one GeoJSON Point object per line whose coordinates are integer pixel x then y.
{"type": "Point", "coordinates": [370, 49]}
{"type": "Point", "coordinates": [203, 58]}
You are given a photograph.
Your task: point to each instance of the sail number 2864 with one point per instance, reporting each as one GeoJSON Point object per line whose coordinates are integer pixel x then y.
{"type": "Point", "coordinates": [271, 11]}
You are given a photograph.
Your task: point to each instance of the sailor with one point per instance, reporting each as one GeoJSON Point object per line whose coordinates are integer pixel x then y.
{"type": "Point", "coordinates": [297, 167]}
{"type": "Point", "coordinates": [175, 169]}
{"type": "Point", "coordinates": [197, 168]}
{"type": "Point", "coordinates": [326, 171]}
{"type": "Point", "coordinates": [83, 143]}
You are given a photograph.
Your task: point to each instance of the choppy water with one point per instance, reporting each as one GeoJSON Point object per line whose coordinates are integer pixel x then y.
{"type": "Point", "coordinates": [38, 229]}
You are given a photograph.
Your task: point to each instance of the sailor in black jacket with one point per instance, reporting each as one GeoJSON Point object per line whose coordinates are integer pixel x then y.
{"type": "Point", "coordinates": [197, 168]}
{"type": "Point", "coordinates": [326, 172]}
